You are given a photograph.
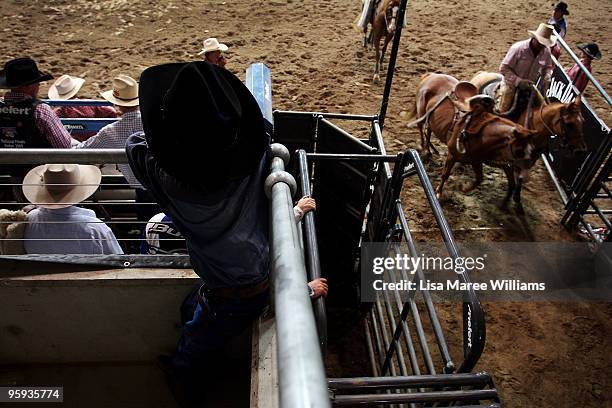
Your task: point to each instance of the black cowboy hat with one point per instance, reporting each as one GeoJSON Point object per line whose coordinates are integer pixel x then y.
{"type": "Point", "coordinates": [562, 6]}
{"type": "Point", "coordinates": [201, 123]}
{"type": "Point", "coordinates": [590, 49]}
{"type": "Point", "coordinates": [20, 72]}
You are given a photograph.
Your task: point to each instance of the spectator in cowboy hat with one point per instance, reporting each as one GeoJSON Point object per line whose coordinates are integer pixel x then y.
{"type": "Point", "coordinates": [213, 50]}
{"type": "Point", "coordinates": [124, 97]}
{"type": "Point", "coordinates": [589, 52]}
{"type": "Point", "coordinates": [557, 20]}
{"type": "Point", "coordinates": [524, 62]}
{"type": "Point", "coordinates": [25, 121]}
{"type": "Point", "coordinates": [57, 226]}
{"type": "Point", "coordinates": [202, 156]}
{"type": "Point", "coordinates": [67, 87]}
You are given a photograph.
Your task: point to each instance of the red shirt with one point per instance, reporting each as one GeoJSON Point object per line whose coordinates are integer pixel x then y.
{"type": "Point", "coordinates": [578, 77]}
{"type": "Point", "coordinates": [85, 112]}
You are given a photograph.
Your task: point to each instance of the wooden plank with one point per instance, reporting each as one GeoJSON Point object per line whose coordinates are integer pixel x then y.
{"type": "Point", "coordinates": [264, 372]}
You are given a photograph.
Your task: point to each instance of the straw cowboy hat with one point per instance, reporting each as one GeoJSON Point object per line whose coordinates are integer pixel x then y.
{"type": "Point", "coordinates": [218, 132]}
{"type": "Point", "coordinates": [544, 35]}
{"type": "Point", "coordinates": [60, 185]}
{"type": "Point", "coordinates": [124, 92]}
{"type": "Point", "coordinates": [65, 87]}
{"type": "Point", "coordinates": [20, 72]}
{"type": "Point", "coordinates": [590, 49]}
{"type": "Point", "coordinates": [212, 44]}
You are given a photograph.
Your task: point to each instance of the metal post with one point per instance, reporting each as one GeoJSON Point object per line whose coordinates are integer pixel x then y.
{"type": "Point", "coordinates": [302, 380]}
{"type": "Point", "coordinates": [392, 59]}
{"type": "Point", "coordinates": [312, 253]}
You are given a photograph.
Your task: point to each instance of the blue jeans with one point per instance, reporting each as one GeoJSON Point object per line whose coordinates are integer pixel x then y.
{"type": "Point", "coordinates": [214, 322]}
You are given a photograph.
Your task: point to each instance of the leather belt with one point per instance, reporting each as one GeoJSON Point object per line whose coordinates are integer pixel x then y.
{"type": "Point", "coordinates": [231, 293]}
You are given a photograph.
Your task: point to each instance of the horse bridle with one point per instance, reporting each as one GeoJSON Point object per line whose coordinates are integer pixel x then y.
{"type": "Point", "coordinates": [562, 135]}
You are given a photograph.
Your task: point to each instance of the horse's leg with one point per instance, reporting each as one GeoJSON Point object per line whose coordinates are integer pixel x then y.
{"type": "Point", "coordinates": [518, 173]}
{"type": "Point", "coordinates": [511, 185]}
{"type": "Point", "coordinates": [376, 41]}
{"type": "Point", "coordinates": [478, 171]}
{"type": "Point", "coordinates": [388, 38]}
{"type": "Point", "coordinates": [448, 167]}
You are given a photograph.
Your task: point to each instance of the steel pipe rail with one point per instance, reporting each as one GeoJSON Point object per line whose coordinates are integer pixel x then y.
{"type": "Point", "coordinates": [344, 116]}
{"type": "Point", "coordinates": [444, 380]}
{"type": "Point", "coordinates": [417, 397]}
{"type": "Point", "coordinates": [72, 156]}
{"type": "Point", "coordinates": [301, 374]}
{"type": "Point", "coordinates": [312, 252]}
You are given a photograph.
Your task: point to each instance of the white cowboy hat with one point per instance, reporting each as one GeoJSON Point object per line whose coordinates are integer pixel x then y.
{"type": "Point", "coordinates": [212, 44]}
{"type": "Point", "coordinates": [65, 87]}
{"type": "Point", "coordinates": [60, 185]}
{"type": "Point", "coordinates": [544, 35]}
{"type": "Point", "coordinates": [124, 92]}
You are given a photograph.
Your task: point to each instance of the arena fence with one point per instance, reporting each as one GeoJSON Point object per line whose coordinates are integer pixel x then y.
{"type": "Point", "coordinates": [584, 183]}
{"type": "Point", "coordinates": [357, 187]}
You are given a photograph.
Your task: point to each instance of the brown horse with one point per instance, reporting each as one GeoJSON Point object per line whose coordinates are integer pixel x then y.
{"type": "Point", "coordinates": [384, 22]}
{"type": "Point", "coordinates": [473, 137]}
{"type": "Point", "coordinates": [562, 119]}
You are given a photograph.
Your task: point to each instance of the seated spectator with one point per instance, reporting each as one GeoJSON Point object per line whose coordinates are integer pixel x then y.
{"type": "Point", "coordinates": [25, 121]}
{"type": "Point", "coordinates": [590, 51]}
{"type": "Point", "coordinates": [213, 52]}
{"type": "Point", "coordinates": [124, 97]}
{"type": "Point", "coordinates": [57, 226]}
{"type": "Point", "coordinates": [67, 87]}
{"type": "Point", "coordinates": [161, 239]}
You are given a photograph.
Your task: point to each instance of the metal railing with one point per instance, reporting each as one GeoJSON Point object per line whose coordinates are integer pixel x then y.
{"type": "Point", "coordinates": [302, 380]}
{"type": "Point", "coordinates": [114, 202]}
{"type": "Point", "coordinates": [592, 183]}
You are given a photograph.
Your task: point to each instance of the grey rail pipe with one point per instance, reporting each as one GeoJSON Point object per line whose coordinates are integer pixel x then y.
{"type": "Point", "coordinates": [312, 252]}
{"type": "Point", "coordinates": [58, 156]}
{"type": "Point", "coordinates": [301, 375]}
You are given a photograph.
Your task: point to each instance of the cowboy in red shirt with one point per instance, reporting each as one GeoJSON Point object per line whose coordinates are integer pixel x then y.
{"type": "Point", "coordinates": [590, 51]}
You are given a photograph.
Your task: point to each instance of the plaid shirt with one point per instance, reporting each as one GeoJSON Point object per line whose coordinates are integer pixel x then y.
{"type": "Point", "coordinates": [114, 136]}
{"type": "Point", "coordinates": [46, 120]}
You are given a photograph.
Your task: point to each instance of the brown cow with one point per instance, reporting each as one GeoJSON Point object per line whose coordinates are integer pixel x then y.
{"type": "Point", "coordinates": [454, 112]}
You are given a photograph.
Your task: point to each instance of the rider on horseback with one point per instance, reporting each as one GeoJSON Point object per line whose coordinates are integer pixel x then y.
{"type": "Point", "coordinates": [526, 61]}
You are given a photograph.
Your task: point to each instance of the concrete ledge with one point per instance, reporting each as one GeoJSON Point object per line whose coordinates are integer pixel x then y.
{"type": "Point", "coordinates": [108, 315]}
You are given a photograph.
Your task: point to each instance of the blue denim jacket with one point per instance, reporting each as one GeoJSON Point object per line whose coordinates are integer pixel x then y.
{"type": "Point", "coordinates": [226, 230]}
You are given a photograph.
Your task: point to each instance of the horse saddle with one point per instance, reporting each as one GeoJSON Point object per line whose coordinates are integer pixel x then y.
{"type": "Point", "coordinates": [466, 98]}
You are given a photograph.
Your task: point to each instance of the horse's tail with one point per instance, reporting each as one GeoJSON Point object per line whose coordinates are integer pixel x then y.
{"type": "Point", "coordinates": [413, 112]}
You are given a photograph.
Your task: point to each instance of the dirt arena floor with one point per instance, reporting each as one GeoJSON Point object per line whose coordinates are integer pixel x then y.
{"type": "Point", "coordinates": [541, 355]}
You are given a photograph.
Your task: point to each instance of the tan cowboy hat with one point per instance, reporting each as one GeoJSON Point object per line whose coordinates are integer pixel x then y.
{"type": "Point", "coordinates": [60, 185]}
{"type": "Point", "coordinates": [212, 44]}
{"type": "Point", "coordinates": [65, 87]}
{"type": "Point", "coordinates": [124, 92]}
{"type": "Point", "coordinates": [544, 35]}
